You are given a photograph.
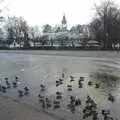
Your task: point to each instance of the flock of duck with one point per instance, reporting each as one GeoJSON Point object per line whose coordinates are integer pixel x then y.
{"type": "Point", "coordinates": [89, 110]}
{"type": "Point", "coordinates": [4, 88]}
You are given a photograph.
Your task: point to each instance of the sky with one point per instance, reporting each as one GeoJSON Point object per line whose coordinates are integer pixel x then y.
{"type": "Point", "coordinates": [40, 12]}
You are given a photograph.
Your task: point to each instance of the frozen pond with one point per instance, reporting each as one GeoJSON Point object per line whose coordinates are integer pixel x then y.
{"type": "Point", "coordinates": [45, 67]}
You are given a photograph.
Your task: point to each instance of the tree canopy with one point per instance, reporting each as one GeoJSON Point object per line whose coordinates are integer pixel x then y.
{"type": "Point", "coordinates": [106, 24]}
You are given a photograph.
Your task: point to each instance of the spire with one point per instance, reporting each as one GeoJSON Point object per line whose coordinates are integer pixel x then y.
{"type": "Point", "coordinates": [64, 21]}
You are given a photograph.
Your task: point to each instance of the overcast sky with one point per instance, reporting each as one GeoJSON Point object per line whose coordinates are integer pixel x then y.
{"type": "Point", "coordinates": [40, 12]}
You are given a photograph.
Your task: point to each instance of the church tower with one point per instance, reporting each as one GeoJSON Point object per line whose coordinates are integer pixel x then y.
{"type": "Point", "coordinates": [64, 23]}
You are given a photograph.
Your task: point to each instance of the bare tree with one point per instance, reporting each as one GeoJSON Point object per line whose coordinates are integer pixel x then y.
{"type": "Point", "coordinates": [106, 24]}
{"type": "Point", "coordinates": [13, 29]}
{"type": "Point", "coordinates": [17, 30]}
{"type": "Point", "coordinates": [24, 28]}
{"type": "Point", "coordinates": [34, 34]}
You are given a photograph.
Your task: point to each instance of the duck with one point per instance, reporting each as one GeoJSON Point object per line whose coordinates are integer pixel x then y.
{"type": "Point", "coordinates": [60, 79]}
{"type": "Point", "coordinates": [105, 112]}
{"type": "Point", "coordinates": [111, 97]}
{"type": "Point", "coordinates": [77, 102]}
{"type": "Point", "coordinates": [48, 105]}
{"type": "Point", "coordinates": [69, 89]}
{"type": "Point", "coordinates": [71, 79]}
{"type": "Point", "coordinates": [72, 108]}
{"type": "Point", "coordinates": [88, 99]}
{"type": "Point", "coordinates": [61, 82]}
{"type": "Point", "coordinates": [56, 102]}
{"type": "Point", "coordinates": [81, 79]}
{"type": "Point", "coordinates": [87, 114]}
{"type": "Point", "coordinates": [87, 109]}
{"type": "Point", "coordinates": [26, 90]}
{"type": "Point", "coordinates": [56, 107]}
{"type": "Point", "coordinates": [41, 98]}
{"type": "Point", "coordinates": [58, 97]}
{"type": "Point", "coordinates": [91, 102]}
{"type": "Point", "coordinates": [42, 87]}
{"type": "Point", "coordinates": [47, 101]}
{"type": "Point", "coordinates": [20, 92]}
{"type": "Point", "coordinates": [57, 82]}
{"type": "Point", "coordinates": [90, 107]}
{"type": "Point", "coordinates": [69, 86]}
{"type": "Point", "coordinates": [8, 84]}
{"type": "Point", "coordinates": [72, 99]}
{"type": "Point", "coordinates": [6, 78]}
{"type": "Point", "coordinates": [39, 95]}
{"type": "Point", "coordinates": [58, 93]}
{"type": "Point", "coordinates": [63, 75]}
{"type": "Point", "coordinates": [90, 83]}
{"type": "Point", "coordinates": [16, 78]}
{"type": "Point", "coordinates": [97, 85]}
{"type": "Point", "coordinates": [43, 103]}
{"type": "Point", "coordinates": [3, 88]}
{"type": "Point", "coordinates": [14, 84]}
{"type": "Point", "coordinates": [80, 85]}
{"type": "Point", "coordinates": [95, 115]}
{"type": "Point", "coordinates": [57, 85]}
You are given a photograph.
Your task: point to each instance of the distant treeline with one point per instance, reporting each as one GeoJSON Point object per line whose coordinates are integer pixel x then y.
{"type": "Point", "coordinates": [103, 30]}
